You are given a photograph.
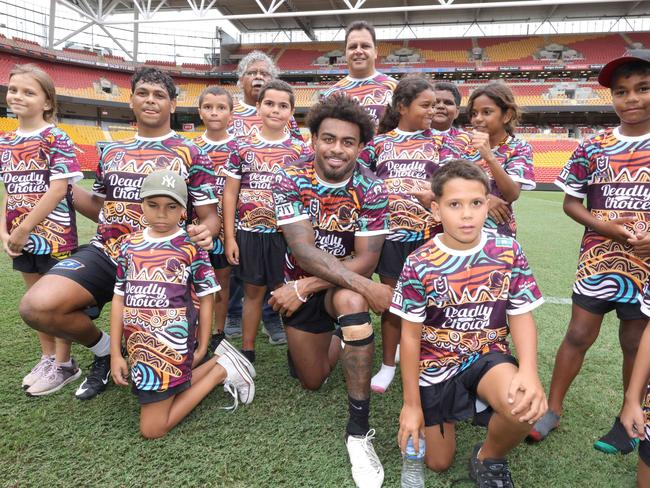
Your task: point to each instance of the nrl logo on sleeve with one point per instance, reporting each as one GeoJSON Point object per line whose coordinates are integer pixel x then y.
{"type": "Point", "coordinates": [6, 157]}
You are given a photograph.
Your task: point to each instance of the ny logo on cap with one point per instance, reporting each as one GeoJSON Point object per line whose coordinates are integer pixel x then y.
{"type": "Point", "coordinates": [168, 181]}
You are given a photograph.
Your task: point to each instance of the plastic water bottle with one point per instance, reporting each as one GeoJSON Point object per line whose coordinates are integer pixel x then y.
{"type": "Point", "coordinates": [413, 466]}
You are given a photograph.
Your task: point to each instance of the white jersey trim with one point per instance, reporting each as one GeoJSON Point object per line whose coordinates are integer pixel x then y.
{"type": "Point", "coordinates": [291, 220]}
{"type": "Point", "coordinates": [569, 191]}
{"type": "Point", "coordinates": [73, 177]}
{"type": "Point", "coordinates": [411, 318]}
{"type": "Point", "coordinates": [526, 308]}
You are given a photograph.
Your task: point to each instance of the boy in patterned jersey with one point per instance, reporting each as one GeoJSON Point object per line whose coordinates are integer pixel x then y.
{"type": "Point", "coordinates": [158, 270]}
{"type": "Point", "coordinates": [635, 415]}
{"type": "Point", "coordinates": [59, 303]}
{"type": "Point", "coordinates": [254, 243]}
{"type": "Point", "coordinates": [254, 71]}
{"type": "Point", "coordinates": [447, 110]}
{"type": "Point", "coordinates": [611, 169]}
{"type": "Point", "coordinates": [215, 110]}
{"type": "Point", "coordinates": [373, 90]}
{"type": "Point", "coordinates": [459, 296]}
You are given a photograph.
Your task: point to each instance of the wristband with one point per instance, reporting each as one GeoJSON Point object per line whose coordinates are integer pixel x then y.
{"type": "Point", "coordinates": [295, 288]}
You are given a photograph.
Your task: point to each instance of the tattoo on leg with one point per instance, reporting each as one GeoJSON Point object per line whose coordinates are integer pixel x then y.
{"type": "Point", "coordinates": [357, 367]}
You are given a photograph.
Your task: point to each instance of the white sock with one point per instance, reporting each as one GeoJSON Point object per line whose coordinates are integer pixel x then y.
{"type": "Point", "coordinates": [382, 380]}
{"type": "Point", "coordinates": [65, 364]}
{"type": "Point", "coordinates": [397, 354]}
{"type": "Point", "coordinates": [103, 346]}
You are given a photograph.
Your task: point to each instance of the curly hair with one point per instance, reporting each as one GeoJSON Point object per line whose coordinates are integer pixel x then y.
{"type": "Point", "coordinates": [156, 77]}
{"type": "Point", "coordinates": [341, 107]}
{"type": "Point", "coordinates": [254, 57]}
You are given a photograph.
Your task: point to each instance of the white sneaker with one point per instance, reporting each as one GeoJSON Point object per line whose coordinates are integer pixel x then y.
{"type": "Point", "coordinates": [367, 471]}
{"type": "Point", "coordinates": [38, 371]}
{"type": "Point", "coordinates": [238, 381]}
{"type": "Point", "coordinates": [226, 347]}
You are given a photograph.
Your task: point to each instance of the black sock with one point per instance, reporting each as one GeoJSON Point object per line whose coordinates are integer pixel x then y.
{"type": "Point", "coordinates": [250, 355]}
{"type": "Point", "coordinates": [358, 422]}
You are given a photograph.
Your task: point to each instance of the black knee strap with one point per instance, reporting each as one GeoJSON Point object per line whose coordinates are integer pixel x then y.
{"type": "Point", "coordinates": [356, 319]}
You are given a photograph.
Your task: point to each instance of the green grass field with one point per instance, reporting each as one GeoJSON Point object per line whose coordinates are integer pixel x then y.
{"type": "Point", "coordinates": [289, 437]}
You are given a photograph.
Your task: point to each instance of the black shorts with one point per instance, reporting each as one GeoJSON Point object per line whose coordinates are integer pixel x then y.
{"type": "Point", "coordinates": [93, 270]}
{"type": "Point", "coordinates": [644, 452]}
{"type": "Point", "coordinates": [218, 261]}
{"type": "Point", "coordinates": [261, 258]}
{"type": "Point", "coordinates": [454, 400]}
{"type": "Point", "coordinates": [37, 263]}
{"type": "Point", "coordinates": [312, 316]}
{"type": "Point", "coordinates": [148, 396]}
{"type": "Point", "coordinates": [393, 256]}
{"type": "Point", "coordinates": [624, 311]}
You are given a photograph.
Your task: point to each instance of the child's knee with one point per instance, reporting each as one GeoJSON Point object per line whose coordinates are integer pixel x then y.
{"type": "Point", "coordinates": [581, 336]}
{"type": "Point", "coordinates": [439, 462]}
{"type": "Point", "coordinates": [153, 431]}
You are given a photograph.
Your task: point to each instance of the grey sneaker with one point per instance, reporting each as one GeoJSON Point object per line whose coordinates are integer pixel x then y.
{"type": "Point", "coordinates": [275, 331]}
{"type": "Point", "coordinates": [37, 372]}
{"type": "Point", "coordinates": [232, 327]}
{"type": "Point", "coordinates": [55, 379]}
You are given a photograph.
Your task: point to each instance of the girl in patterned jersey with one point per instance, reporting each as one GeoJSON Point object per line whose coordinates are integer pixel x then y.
{"type": "Point", "coordinates": [405, 154]}
{"type": "Point", "coordinates": [507, 160]}
{"type": "Point", "coordinates": [37, 225]}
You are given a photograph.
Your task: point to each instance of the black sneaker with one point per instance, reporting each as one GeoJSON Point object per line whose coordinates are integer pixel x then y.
{"type": "Point", "coordinates": [616, 440]}
{"type": "Point", "coordinates": [215, 340]}
{"type": "Point", "coordinates": [97, 379]}
{"type": "Point", "coordinates": [489, 473]}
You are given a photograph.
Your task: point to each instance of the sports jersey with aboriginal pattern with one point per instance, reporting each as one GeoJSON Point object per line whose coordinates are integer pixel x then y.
{"type": "Point", "coordinates": [155, 277]}
{"type": "Point", "coordinates": [245, 122]}
{"type": "Point", "coordinates": [218, 152]}
{"type": "Point", "coordinates": [644, 298]}
{"type": "Point", "coordinates": [455, 143]}
{"type": "Point", "coordinates": [516, 158]}
{"type": "Point", "coordinates": [255, 163]}
{"type": "Point", "coordinates": [372, 93]}
{"type": "Point", "coordinates": [613, 172]}
{"type": "Point", "coordinates": [462, 299]}
{"type": "Point", "coordinates": [123, 167]}
{"type": "Point", "coordinates": [357, 207]}
{"type": "Point", "coordinates": [29, 162]}
{"type": "Point", "coordinates": [405, 161]}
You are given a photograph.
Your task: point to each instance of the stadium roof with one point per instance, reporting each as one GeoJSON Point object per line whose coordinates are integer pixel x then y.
{"type": "Point", "coordinates": [307, 15]}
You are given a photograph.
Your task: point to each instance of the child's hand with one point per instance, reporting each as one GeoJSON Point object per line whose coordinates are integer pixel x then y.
{"type": "Point", "coordinates": [641, 244]}
{"type": "Point", "coordinates": [119, 370]}
{"type": "Point", "coordinates": [527, 397]}
{"type": "Point", "coordinates": [633, 419]}
{"type": "Point", "coordinates": [5, 245]}
{"type": "Point", "coordinates": [498, 210]}
{"type": "Point", "coordinates": [199, 354]}
{"type": "Point", "coordinates": [17, 240]}
{"type": "Point", "coordinates": [201, 236]}
{"type": "Point", "coordinates": [232, 251]}
{"type": "Point", "coordinates": [425, 197]}
{"type": "Point", "coordinates": [411, 424]}
{"type": "Point", "coordinates": [615, 229]}
{"type": "Point", "coordinates": [481, 142]}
